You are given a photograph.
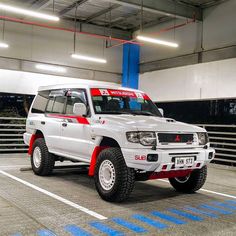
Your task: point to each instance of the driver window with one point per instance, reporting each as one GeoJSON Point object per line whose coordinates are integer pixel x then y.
{"type": "Point", "coordinates": [74, 96]}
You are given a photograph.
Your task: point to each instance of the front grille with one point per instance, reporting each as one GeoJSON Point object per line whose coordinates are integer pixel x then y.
{"type": "Point", "coordinates": [175, 138]}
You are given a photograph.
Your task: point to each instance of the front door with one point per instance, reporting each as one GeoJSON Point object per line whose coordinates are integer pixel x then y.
{"type": "Point", "coordinates": [75, 135]}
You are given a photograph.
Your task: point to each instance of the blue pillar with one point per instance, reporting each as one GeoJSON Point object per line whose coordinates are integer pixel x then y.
{"type": "Point", "coordinates": [131, 57]}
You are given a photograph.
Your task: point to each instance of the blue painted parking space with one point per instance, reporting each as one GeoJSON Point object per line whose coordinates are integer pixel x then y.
{"type": "Point", "coordinates": [216, 209]}
{"type": "Point", "coordinates": [181, 217]}
{"type": "Point", "coordinates": [76, 231]}
{"type": "Point", "coordinates": [186, 215]}
{"type": "Point", "coordinates": [103, 228]}
{"type": "Point", "coordinates": [45, 232]}
{"type": "Point", "coordinates": [201, 212]}
{"type": "Point", "coordinates": [129, 225]}
{"type": "Point", "coordinates": [168, 218]}
{"type": "Point", "coordinates": [150, 221]}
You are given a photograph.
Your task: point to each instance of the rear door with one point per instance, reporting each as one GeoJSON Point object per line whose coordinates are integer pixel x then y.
{"type": "Point", "coordinates": [53, 120]}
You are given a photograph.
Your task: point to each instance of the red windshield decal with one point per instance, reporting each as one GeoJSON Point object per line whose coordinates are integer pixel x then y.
{"type": "Point", "coordinates": [118, 93]}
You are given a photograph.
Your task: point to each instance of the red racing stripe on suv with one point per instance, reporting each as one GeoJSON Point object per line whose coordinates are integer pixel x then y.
{"type": "Point", "coordinates": [79, 119]}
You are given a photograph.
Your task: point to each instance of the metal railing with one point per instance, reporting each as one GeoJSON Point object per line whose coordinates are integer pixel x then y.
{"type": "Point", "coordinates": [223, 140]}
{"type": "Point", "coordinates": [11, 135]}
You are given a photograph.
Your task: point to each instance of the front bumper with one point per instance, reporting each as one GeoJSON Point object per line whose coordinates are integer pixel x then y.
{"type": "Point", "coordinates": [137, 158]}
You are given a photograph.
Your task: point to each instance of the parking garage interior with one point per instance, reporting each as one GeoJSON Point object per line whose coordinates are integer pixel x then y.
{"type": "Point", "coordinates": [182, 53]}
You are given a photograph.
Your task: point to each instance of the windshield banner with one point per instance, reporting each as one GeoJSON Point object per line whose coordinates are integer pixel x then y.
{"type": "Point", "coordinates": [118, 93]}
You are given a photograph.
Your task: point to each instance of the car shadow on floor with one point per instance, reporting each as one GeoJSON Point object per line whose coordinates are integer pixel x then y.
{"type": "Point", "coordinates": [147, 191]}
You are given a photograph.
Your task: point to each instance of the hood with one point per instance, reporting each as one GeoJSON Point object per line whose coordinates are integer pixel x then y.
{"type": "Point", "coordinates": [149, 123]}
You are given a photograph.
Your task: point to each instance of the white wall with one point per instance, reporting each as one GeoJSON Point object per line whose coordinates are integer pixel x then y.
{"type": "Point", "coordinates": [219, 25]}
{"type": "Point", "coordinates": [218, 31]}
{"type": "Point", "coordinates": [52, 46]}
{"type": "Point", "coordinates": [201, 81]}
{"type": "Point", "coordinates": [28, 83]}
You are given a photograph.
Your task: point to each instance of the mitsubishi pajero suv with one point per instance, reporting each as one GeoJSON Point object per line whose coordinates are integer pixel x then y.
{"type": "Point", "coordinates": [120, 133]}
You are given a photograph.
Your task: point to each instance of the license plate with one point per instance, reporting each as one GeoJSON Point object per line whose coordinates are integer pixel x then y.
{"type": "Point", "coordinates": [184, 161]}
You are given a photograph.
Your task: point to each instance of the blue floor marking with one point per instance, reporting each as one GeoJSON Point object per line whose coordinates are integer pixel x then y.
{"type": "Point", "coordinates": [168, 218]}
{"type": "Point", "coordinates": [45, 232]}
{"type": "Point", "coordinates": [224, 212]}
{"type": "Point", "coordinates": [195, 210]}
{"type": "Point", "coordinates": [106, 229]}
{"type": "Point", "coordinates": [231, 202]}
{"type": "Point", "coordinates": [149, 221]}
{"type": "Point", "coordinates": [76, 231]}
{"type": "Point", "coordinates": [225, 205]}
{"type": "Point", "coordinates": [131, 226]}
{"type": "Point", "coordinates": [186, 215]}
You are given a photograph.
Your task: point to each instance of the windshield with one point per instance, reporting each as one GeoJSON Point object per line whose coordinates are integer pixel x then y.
{"type": "Point", "coordinates": [110, 101]}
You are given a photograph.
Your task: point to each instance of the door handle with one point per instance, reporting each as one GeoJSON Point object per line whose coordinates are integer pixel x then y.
{"type": "Point", "coordinates": [64, 124]}
{"type": "Point", "coordinates": [43, 122]}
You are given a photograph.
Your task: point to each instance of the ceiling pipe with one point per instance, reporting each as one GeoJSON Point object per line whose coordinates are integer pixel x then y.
{"type": "Point", "coordinates": [16, 20]}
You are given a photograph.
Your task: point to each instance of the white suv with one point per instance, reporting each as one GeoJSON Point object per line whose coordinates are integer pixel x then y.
{"type": "Point", "coordinates": [120, 133]}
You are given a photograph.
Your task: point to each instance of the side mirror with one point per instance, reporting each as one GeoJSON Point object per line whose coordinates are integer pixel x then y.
{"type": "Point", "coordinates": [79, 109]}
{"type": "Point", "coordinates": [161, 111]}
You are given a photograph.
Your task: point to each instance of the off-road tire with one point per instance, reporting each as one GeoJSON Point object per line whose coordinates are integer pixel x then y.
{"type": "Point", "coordinates": [196, 180]}
{"type": "Point", "coordinates": [47, 159]}
{"type": "Point", "coordinates": [124, 176]}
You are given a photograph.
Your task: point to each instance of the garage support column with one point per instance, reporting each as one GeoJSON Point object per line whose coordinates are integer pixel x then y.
{"type": "Point", "coordinates": [131, 57]}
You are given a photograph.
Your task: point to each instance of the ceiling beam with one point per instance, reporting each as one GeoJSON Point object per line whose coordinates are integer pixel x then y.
{"type": "Point", "coordinates": [40, 4]}
{"type": "Point", "coordinates": [102, 12]}
{"type": "Point", "coordinates": [150, 24]}
{"type": "Point", "coordinates": [163, 7]}
{"type": "Point", "coordinates": [122, 19]}
{"type": "Point", "coordinates": [201, 5]}
{"type": "Point", "coordinates": [213, 3]}
{"type": "Point", "coordinates": [72, 6]}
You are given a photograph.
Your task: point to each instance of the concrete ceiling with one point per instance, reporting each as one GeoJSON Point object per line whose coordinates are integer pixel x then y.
{"type": "Point", "coordinates": [120, 14]}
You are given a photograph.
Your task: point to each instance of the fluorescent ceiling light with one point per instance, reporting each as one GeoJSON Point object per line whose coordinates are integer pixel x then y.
{"type": "Point", "coordinates": [28, 12]}
{"type": "Point", "coordinates": [50, 68]}
{"type": "Point", "coordinates": [4, 45]}
{"type": "Point", "coordinates": [87, 58]}
{"type": "Point", "coordinates": [157, 41]}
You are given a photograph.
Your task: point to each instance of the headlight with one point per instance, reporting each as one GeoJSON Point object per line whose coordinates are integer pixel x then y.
{"type": "Point", "coordinates": [202, 138]}
{"type": "Point", "coordinates": [145, 138]}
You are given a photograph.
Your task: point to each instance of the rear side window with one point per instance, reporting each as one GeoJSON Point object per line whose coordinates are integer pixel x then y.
{"type": "Point", "coordinates": [58, 106]}
{"type": "Point", "coordinates": [50, 104]}
{"type": "Point", "coordinates": [40, 102]}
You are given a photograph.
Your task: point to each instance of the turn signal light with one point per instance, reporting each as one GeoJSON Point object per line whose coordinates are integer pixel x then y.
{"type": "Point", "coordinates": [164, 167]}
{"type": "Point", "coordinates": [210, 155]}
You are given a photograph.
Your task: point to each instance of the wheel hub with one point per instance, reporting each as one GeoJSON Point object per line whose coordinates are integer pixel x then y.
{"type": "Point", "coordinates": [107, 175]}
{"type": "Point", "coordinates": [182, 179]}
{"type": "Point", "coordinates": [37, 157]}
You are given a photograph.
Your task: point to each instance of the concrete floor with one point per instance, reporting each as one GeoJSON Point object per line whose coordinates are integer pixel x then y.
{"type": "Point", "coordinates": [66, 203]}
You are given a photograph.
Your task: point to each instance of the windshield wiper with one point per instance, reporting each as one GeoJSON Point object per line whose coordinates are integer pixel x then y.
{"type": "Point", "coordinates": [143, 113]}
{"type": "Point", "coordinates": [115, 112]}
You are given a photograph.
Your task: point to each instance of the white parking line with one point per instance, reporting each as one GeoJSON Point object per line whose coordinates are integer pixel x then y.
{"type": "Point", "coordinates": [12, 166]}
{"type": "Point", "coordinates": [208, 191]}
{"type": "Point", "coordinates": [61, 199]}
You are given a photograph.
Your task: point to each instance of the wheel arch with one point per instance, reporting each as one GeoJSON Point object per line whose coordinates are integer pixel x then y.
{"type": "Point", "coordinates": [35, 136]}
{"type": "Point", "coordinates": [105, 142]}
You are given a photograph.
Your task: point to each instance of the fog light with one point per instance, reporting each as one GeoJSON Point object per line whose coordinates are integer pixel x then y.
{"type": "Point", "coordinates": [152, 157]}
{"type": "Point", "coordinates": [210, 155]}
